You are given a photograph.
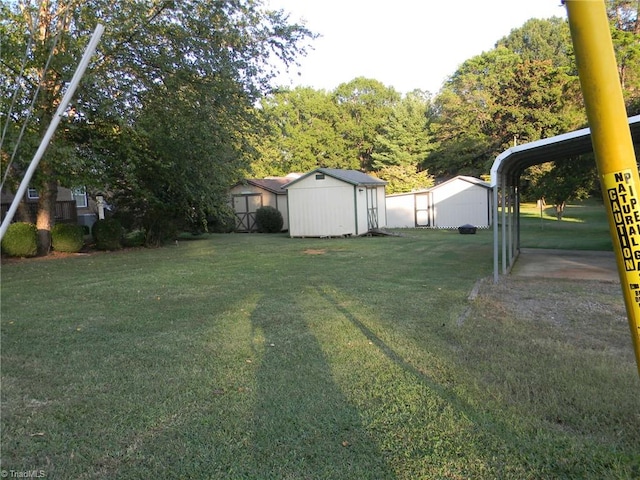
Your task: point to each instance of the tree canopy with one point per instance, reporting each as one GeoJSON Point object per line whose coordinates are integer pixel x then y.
{"type": "Point", "coordinates": [180, 77]}
{"type": "Point", "coordinates": [177, 105]}
{"type": "Point", "coordinates": [497, 99]}
{"type": "Point", "coordinates": [361, 125]}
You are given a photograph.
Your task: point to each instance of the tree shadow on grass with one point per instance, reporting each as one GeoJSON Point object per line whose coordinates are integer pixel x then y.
{"type": "Point", "coordinates": [304, 427]}
{"type": "Point", "coordinates": [469, 443]}
{"type": "Point", "coordinates": [443, 391]}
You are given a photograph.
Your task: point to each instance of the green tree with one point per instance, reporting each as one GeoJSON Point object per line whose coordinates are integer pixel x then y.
{"type": "Point", "coordinates": [505, 96]}
{"type": "Point", "coordinates": [542, 40]}
{"type": "Point", "coordinates": [37, 56]}
{"type": "Point", "coordinates": [187, 62]}
{"type": "Point", "coordinates": [572, 178]}
{"type": "Point", "coordinates": [300, 133]}
{"type": "Point", "coordinates": [403, 143]}
{"type": "Point", "coordinates": [625, 33]}
{"type": "Point", "coordinates": [181, 176]}
{"type": "Point", "coordinates": [404, 178]}
{"type": "Point", "coordinates": [307, 128]}
{"type": "Point", "coordinates": [365, 106]}
{"type": "Point", "coordinates": [404, 138]}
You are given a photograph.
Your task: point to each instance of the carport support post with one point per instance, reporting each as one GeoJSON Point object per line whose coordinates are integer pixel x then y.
{"type": "Point", "coordinates": [612, 145]}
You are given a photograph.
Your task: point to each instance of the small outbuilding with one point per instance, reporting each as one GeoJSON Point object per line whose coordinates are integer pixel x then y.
{"type": "Point", "coordinates": [251, 194]}
{"type": "Point", "coordinates": [328, 202]}
{"type": "Point", "coordinates": [460, 201]}
{"type": "Point", "coordinates": [409, 210]}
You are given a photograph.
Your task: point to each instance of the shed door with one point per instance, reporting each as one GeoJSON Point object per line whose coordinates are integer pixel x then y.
{"type": "Point", "coordinates": [422, 210]}
{"type": "Point", "coordinates": [372, 208]}
{"type": "Point", "coordinates": [245, 206]}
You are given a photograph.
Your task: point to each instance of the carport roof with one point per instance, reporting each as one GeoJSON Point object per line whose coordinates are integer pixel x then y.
{"type": "Point", "coordinates": [511, 163]}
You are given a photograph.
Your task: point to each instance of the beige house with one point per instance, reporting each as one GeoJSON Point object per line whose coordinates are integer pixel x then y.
{"type": "Point", "coordinates": [72, 205]}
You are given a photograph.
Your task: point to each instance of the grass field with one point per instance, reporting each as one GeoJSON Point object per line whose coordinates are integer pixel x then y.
{"type": "Point", "coordinates": [263, 357]}
{"type": "Point", "coordinates": [584, 227]}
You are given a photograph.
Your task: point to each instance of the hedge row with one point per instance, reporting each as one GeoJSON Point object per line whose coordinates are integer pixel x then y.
{"type": "Point", "coordinates": [21, 238]}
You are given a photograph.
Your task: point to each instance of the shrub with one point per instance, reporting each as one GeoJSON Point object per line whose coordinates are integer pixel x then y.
{"type": "Point", "coordinates": [66, 237]}
{"type": "Point", "coordinates": [269, 220]}
{"type": "Point", "coordinates": [135, 238]}
{"type": "Point", "coordinates": [21, 240]}
{"type": "Point", "coordinates": [224, 222]}
{"type": "Point", "coordinates": [108, 234]}
{"type": "Point", "coordinates": [159, 230]}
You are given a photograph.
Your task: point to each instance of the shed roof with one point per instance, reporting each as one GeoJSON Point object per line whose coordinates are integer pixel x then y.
{"type": "Point", "coordinates": [511, 163]}
{"type": "Point", "coordinates": [473, 180]}
{"type": "Point", "coordinates": [354, 177]}
{"type": "Point", "coordinates": [273, 185]}
{"type": "Point", "coordinates": [412, 192]}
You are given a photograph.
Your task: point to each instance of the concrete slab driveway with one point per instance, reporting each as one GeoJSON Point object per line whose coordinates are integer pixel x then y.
{"type": "Point", "coordinates": [572, 264]}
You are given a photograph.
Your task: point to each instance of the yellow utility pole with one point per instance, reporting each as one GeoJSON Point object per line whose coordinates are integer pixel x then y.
{"type": "Point", "coordinates": [612, 145]}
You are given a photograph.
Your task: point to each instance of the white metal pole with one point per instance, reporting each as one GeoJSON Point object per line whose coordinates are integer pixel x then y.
{"type": "Point", "coordinates": [82, 66]}
{"type": "Point", "coordinates": [496, 186]}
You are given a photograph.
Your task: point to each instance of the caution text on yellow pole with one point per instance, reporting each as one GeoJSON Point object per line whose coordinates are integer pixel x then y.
{"type": "Point", "coordinates": [612, 145]}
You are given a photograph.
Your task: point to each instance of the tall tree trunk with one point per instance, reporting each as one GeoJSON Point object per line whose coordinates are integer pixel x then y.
{"type": "Point", "coordinates": [51, 85]}
{"type": "Point", "coordinates": [46, 215]}
{"type": "Point", "coordinates": [560, 209]}
{"type": "Point", "coordinates": [24, 213]}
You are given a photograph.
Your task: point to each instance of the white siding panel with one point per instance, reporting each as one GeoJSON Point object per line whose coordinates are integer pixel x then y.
{"type": "Point", "coordinates": [448, 205]}
{"type": "Point", "coordinates": [408, 210]}
{"type": "Point", "coordinates": [319, 208]}
{"type": "Point", "coordinates": [459, 203]}
{"type": "Point", "coordinates": [401, 210]}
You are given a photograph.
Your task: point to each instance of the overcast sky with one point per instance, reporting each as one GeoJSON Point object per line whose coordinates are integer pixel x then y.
{"type": "Point", "coordinates": [406, 44]}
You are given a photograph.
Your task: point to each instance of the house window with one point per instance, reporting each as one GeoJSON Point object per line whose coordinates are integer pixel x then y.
{"type": "Point", "coordinates": [32, 194]}
{"type": "Point", "coordinates": [80, 196]}
{"type": "Point", "coordinates": [319, 176]}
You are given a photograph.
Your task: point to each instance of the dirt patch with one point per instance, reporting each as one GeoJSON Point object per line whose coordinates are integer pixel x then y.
{"type": "Point", "coordinates": [315, 251]}
{"type": "Point", "coordinates": [587, 312]}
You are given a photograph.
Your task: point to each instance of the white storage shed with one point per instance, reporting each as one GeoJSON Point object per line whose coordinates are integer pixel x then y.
{"type": "Point", "coordinates": [460, 201]}
{"type": "Point", "coordinates": [409, 210]}
{"type": "Point", "coordinates": [329, 202]}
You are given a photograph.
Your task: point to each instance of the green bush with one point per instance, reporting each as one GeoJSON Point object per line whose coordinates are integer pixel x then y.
{"type": "Point", "coordinates": [21, 240]}
{"type": "Point", "coordinates": [107, 234]}
{"type": "Point", "coordinates": [269, 220]}
{"type": "Point", "coordinates": [224, 222]}
{"type": "Point", "coordinates": [66, 237]}
{"type": "Point", "coordinates": [135, 238]}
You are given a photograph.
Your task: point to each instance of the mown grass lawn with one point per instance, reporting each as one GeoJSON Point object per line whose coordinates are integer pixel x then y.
{"type": "Point", "coordinates": [263, 357]}
{"type": "Point", "coordinates": [584, 227]}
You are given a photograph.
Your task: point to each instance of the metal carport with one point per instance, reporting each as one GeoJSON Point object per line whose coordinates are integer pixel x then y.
{"type": "Point", "coordinates": [505, 181]}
